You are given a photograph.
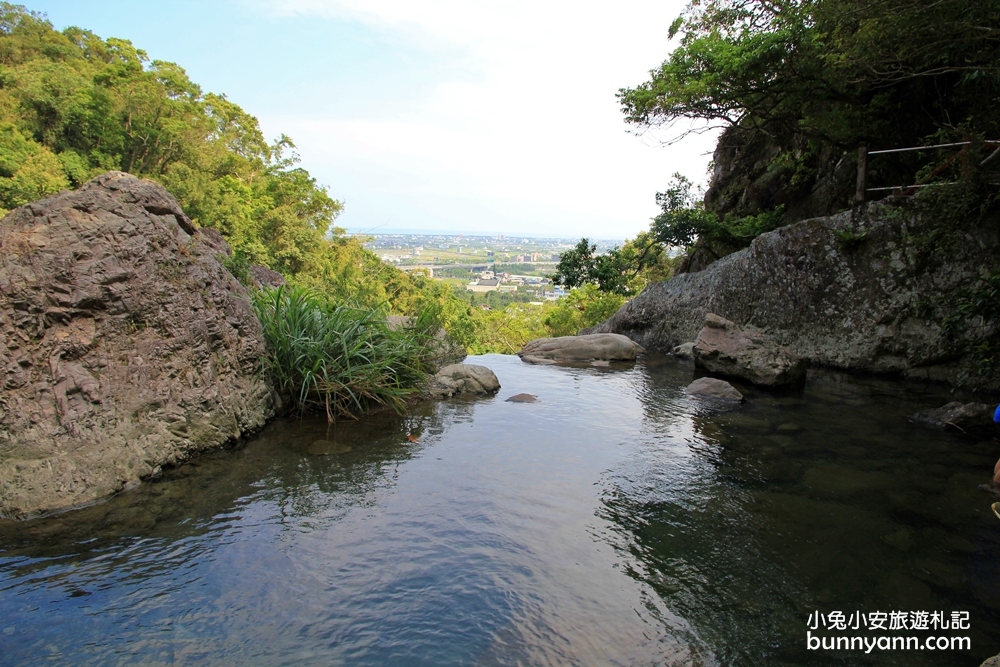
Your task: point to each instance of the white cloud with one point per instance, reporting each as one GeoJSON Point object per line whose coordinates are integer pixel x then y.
{"type": "Point", "coordinates": [526, 116]}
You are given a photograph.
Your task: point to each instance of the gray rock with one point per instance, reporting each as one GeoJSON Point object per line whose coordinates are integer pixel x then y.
{"type": "Point", "coordinates": [714, 388]}
{"type": "Point", "coordinates": [125, 345]}
{"type": "Point", "coordinates": [569, 349]}
{"type": "Point", "coordinates": [724, 348]}
{"type": "Point", "coordinates": [463, 379]}
{"type": "Point", "coordinates": [971, 418]}
{"type": "Point", "coordinates": [862, 307]}
{"type": "Point", "coordinates": [991, 662]}
{"type": "Point", "coordinates": [522, 398]}
{"type": "Point", "coordinates": [684, 351]}
{"type": "Point", "coordinates": [265, 277]}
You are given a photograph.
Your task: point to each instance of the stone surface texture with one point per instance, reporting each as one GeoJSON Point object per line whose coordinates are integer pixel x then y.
{"type": "Point", "coordinates": [463, 379]}
{"type": "Point", "coordinates": [126, 345]}
{"type": "Point", "coordinates": [569, 349]}
{"type": "Point", "coordinates": [684, 351]}
{"type": "Point", "coordinates": [714, 388]}
{"type": "Point", "coordinates": [724, 348]}
{"type": "Point", "coordinates": [873, 304]}
{"type": "Point", "coordinates": [971, 418]}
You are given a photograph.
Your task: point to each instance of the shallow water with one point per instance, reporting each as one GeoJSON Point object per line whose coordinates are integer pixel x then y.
{"type": "Point", "coordinates": [616, 521]}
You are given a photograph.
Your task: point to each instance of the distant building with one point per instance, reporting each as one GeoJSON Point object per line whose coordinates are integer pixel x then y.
{"type": "Point", "coordinates": [484, 285]}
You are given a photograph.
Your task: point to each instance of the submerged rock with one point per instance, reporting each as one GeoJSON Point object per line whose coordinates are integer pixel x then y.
{"type": "Point", "coordinates": [594, 347]}
{"type": "Point", "coordinates": [684, 351]}
{"type": "Point", "coordinates": [714, 388]}
{"type": "Point", "coordinates": [522, 398]}
{"type": "Point", "coordinates": [971, 418]}
{"type": "Point", "coordinates": [463, 379]}
{"type": "Point", "coordinates": [724, 348]}
{"type": "Point", "coordinates": [126, 344]}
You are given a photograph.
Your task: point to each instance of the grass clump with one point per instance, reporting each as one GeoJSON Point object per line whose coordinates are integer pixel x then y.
{"type": "Point", "coordinates": [338, 359]}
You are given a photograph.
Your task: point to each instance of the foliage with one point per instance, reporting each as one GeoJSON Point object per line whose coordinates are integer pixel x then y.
{"type": "Point", "coordinates": [238, 264]}
{"type": "Point", "coordinates": [683, 222]}
{"type": "Point", "coordinates": [335, 358]}
{"type": "Point", "coordinates": [800, 84]}
{"type": "Point", "coordinates": [583, 307]}
{"type": "Point", "coordinates": [839, 70]}
{"type": "Point", "coordinates": [622, 270]}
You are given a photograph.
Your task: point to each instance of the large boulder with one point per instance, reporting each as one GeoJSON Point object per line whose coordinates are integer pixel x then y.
{"type": "Point", "coordinates": [463, 379]}
{"type": "Point", "coordinates": [971, 418]}
{"type": "Point", "coordinates": [573, 349]}
{"type": "Point", "coordinates": [726, 349]}
{"type": "Point", "coordinates": [867, 292]}
{"type": "Point", "coordinates": [126, 345]}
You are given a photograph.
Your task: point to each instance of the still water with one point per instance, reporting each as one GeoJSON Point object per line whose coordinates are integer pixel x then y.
{"type": "Point", "coordinates": [617, 521]}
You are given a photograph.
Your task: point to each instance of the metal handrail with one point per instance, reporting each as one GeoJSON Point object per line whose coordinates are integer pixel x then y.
{"type": "Point", "coordinates": [862, 185]}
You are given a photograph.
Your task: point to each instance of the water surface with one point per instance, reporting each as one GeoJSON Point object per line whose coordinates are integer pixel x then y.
{"type": "Point", "coordinates": [615, 522]}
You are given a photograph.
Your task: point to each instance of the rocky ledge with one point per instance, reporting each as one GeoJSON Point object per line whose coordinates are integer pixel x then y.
{"type": "Point", "coordinates": [861, 292]}
{"type": "Point", "coordinates": [126, 345]}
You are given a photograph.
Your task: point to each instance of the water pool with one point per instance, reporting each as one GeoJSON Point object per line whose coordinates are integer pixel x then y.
{"type": "Point", "coordinates": [617, 521]}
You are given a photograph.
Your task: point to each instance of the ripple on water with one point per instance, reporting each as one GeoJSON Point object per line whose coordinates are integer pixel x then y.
{"type": "Point", "coordinates": [615, 521]}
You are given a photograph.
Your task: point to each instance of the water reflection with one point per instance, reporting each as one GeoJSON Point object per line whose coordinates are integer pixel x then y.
{"type": "Point", "coordinates": [827, 499]}
{"type": "Point", "coordinates": [616, 521]}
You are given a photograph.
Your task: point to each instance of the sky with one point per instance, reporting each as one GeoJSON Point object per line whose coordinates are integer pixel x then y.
{"type": "Point", "coordinates": [474, 116]}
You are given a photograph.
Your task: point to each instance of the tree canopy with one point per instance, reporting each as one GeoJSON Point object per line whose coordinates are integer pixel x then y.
{"type": "Point", "coordinates": [885, 72]}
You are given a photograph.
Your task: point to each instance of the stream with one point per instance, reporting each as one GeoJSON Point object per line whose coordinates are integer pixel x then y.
{"type": "Point", "coordinates": [617, 521]}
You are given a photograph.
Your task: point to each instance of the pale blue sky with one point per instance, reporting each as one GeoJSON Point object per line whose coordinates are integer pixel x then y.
{"type": "Point", "coordinates": [472, 116]}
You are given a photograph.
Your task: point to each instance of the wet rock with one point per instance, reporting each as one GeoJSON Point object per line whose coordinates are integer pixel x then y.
{"type": "Point", "coordinates": [522, 398]}
{"type": "Point", "coordinates": [971, 418]}
{"type": "Point", "coordinates": [463, 379]}
{"type": "Point", "coordinates": [714, 388]}
{"type": "Point", "coordinates": [125, 342]}
{"type": "Point", "coordinates": [724, 348]}
{"type": "Point", "coordinates": [684, 351]}
{"type": "Point", "coordinates": [569, 349]}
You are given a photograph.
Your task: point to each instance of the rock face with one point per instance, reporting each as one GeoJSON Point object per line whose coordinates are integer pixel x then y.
{"type": "Point", "coordinates": [714, 388]}
{"type": "Point", "coordinates": [866, 294]}
{"type": "Point", "coordinates": [971, 418]}
{"type": "Point", "coordinates": [463, 379]}
{"type": "Point", "coordinates": [126, 345]}
{"type": "Point", "coordinates": [724, 348]}
{"type": "Point", "coordinates": [594, 347]}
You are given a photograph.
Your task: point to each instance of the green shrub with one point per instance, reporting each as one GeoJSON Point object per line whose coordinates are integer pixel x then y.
{"type": "Point", "coordinates": [335, 358]}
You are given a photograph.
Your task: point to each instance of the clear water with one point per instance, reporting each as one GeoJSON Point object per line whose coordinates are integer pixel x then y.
{"type": "Point", "coordinates": [615, 522]}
